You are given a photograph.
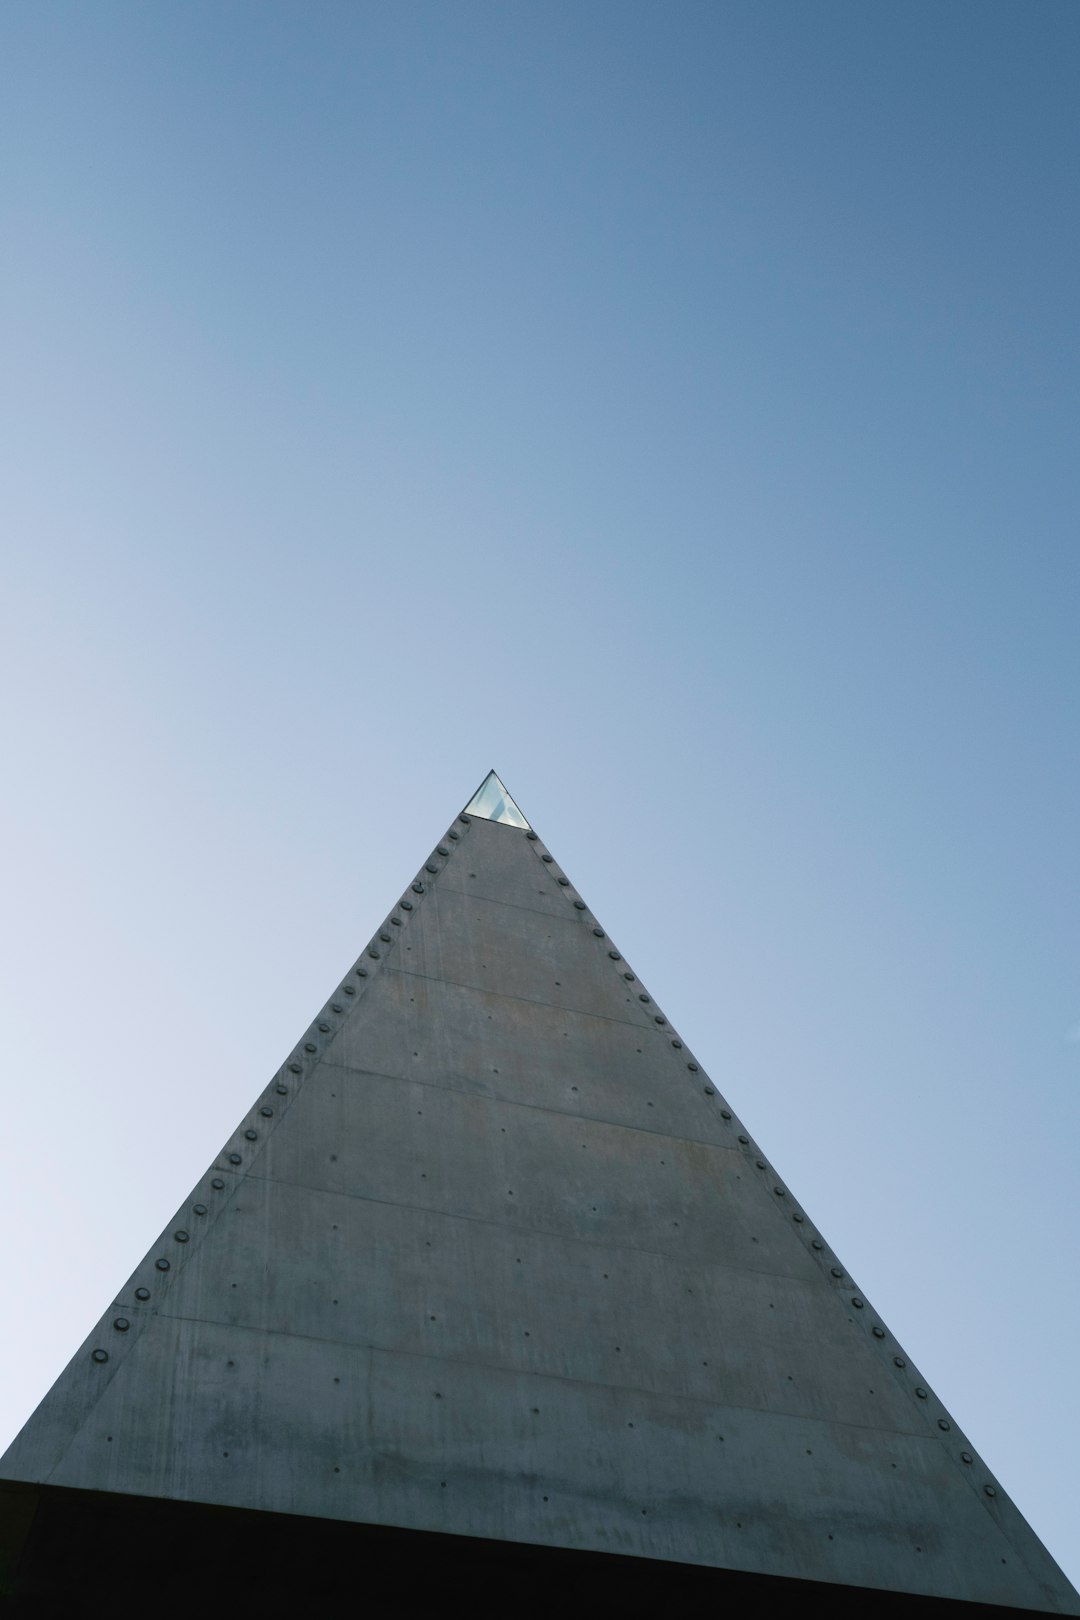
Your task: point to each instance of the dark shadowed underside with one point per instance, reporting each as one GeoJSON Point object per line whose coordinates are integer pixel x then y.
{"type": "Point", "coordinates": [78, 1542]}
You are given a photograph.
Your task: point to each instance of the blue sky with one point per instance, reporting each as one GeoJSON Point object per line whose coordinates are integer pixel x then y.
{"type": "Point", "coordinates": [674, 407]}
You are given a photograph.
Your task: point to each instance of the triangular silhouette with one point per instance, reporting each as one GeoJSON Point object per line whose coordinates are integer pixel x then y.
{"type": "Point", "coordinates": [491, 1269]}
{"type": "Point", "coordinates": [492, 801]}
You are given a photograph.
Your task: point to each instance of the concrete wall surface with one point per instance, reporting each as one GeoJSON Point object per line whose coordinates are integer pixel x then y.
{"type": "Point", "coordinates": [490, 1256]}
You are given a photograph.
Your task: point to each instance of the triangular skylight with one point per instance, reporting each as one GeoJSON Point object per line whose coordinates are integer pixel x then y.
{"type": "Point", "coordinates": [492, 801]}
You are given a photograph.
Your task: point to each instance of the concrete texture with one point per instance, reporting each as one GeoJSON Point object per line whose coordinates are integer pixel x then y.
{"type": "Point", "coordinates": [490, 1256]}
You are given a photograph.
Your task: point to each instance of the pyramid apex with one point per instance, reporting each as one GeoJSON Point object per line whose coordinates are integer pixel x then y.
{"type": "Point", "coordinates": [493, 803]}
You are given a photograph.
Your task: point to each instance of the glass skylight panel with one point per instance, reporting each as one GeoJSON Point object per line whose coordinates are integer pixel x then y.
{"type": "Point", "coordinates": [493, 803]}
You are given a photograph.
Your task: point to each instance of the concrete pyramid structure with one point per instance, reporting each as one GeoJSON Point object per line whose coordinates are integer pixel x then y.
{"type": "Point", "coordinates": [491, 1286]}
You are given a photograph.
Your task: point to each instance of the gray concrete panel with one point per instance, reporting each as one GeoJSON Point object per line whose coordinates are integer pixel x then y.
{"type": "Point", "coordinates": [298, 1425]}
{"type": "Point", "coordinates": [381, 1275]}
{"type": "Point", "coordinates": [488, 867]}
{"type": "Point", "coordinates": [448, 1035]}
{"type": "Point", "coordinates": [398, 1142]}
{"type": "Point", "coordinates": [511, 952]}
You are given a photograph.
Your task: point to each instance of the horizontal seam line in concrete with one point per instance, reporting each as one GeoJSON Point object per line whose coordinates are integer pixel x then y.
{"type": "Point", "coordinates": [558, 1378]}
{"type": "Point", "coordinates": [530, 1231]}
{"type": "Point", "coordinates": [528, 1001]}
{"type": "Point", "coordinates": [560, 915]}
{"type": "Point", "coordinates": [533, 1108]}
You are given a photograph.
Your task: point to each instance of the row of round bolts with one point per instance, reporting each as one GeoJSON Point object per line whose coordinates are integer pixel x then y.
{"type": "Point", "coordinates": [383, 937]}
{"type": "Point", "coordinates": [857, 1302]}
{"type": "Point", "coordinates": [181, 1235]}
{"type": "Point", "coordinates": [658, 1018]}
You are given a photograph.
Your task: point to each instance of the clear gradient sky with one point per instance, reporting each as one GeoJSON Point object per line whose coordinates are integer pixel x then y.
{"type": "Point", "coordinates": [673, 406]}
